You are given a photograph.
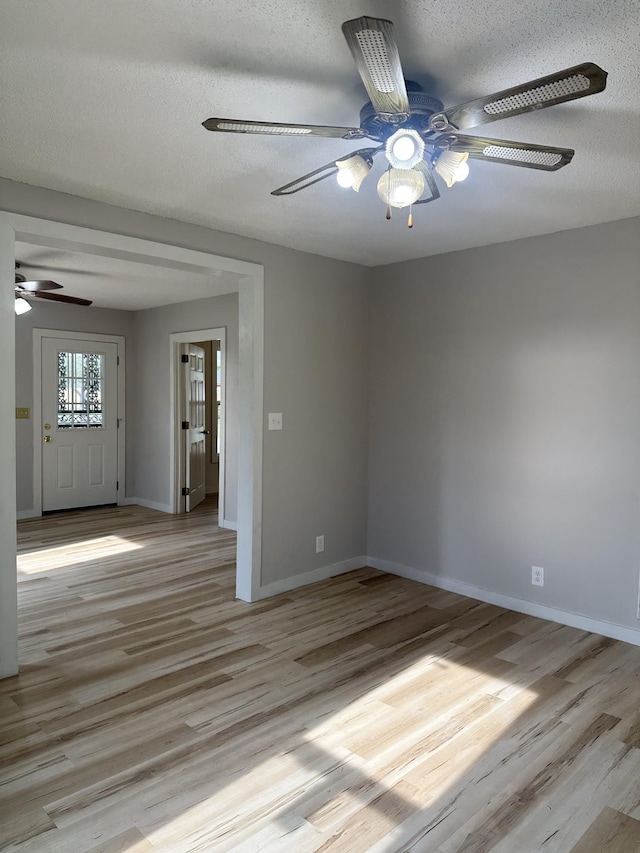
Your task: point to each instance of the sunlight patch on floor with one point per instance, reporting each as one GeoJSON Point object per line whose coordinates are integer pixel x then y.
{"type": "Point", "coordinates": [46, 560]}
{"type": "Point", "coordinates": [404, 691]}
{"type": "Point", "coordinates": [332, 779]}
{"type": "Point", "coordinates": [422, 734]}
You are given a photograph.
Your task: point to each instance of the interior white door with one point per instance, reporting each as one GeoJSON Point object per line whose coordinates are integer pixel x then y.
{"type": "Point", "coordinates": [196, 431]}
{"type": "Point", "coordinates": [213, 416]}
{"type": "Point", "coordinates": [79, 423]}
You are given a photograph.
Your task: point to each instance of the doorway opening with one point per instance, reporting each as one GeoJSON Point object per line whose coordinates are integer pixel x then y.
{"type": "Point", "coordinates": [249, 283]}
{"type": "Point", "coordinates": [199, 419]}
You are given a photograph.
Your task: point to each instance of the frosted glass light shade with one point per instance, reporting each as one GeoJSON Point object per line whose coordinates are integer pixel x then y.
{"type": "Point", "coordinates": [404, 149]}
{"type": "Point", "coordinates": [21, 305]}
{"type": "Point", "coordinates": [452, 167]}
{"type": "Point", "coordinates": [400, 187]}
{"type": "Point", "coordinates": [352, 171]}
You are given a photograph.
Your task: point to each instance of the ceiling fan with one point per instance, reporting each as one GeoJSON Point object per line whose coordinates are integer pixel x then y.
{"type": "Point", "coordinates": [40, 288]}
{"type": "Point", "coordinates": [420, 137]}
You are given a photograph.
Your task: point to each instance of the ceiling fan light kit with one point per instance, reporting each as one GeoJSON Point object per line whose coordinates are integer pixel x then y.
{"type": "Point", "coordinates": [400, 187]}
{"type": "Point", "coordinates": [404, 149]}
{"type": "Point", "coordinates": [418, 135]}
{"type": "Point", "coordinates": [452, 166]}
{"type": "Point", "coordinates": [353, 171]}
{"type": "Point", "coordinates": [21, 305]}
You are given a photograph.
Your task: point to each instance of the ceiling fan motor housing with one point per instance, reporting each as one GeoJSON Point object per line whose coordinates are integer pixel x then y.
{"type": "Point", "coordinates": [421, 108]}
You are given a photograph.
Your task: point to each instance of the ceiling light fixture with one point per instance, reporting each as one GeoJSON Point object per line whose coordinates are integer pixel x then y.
{"type": "Point", "coordinates": [21, 305]}
{"type": "Point", "coordinates": [404, 149]}
{"type": "Point", "coordinates": [352, 171]}
{"type": "Point", "coordinates": [400, 187]}
{"type": "Point", "coordinates": [452, 167]}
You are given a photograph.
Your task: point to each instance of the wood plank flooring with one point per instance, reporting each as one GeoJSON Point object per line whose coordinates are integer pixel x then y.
{"type": "Point", "coordinates": [154, 712]}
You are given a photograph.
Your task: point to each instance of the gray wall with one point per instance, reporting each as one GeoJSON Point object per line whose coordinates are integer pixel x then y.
{"type": "Point", "coordinates": [151, 379]}
{"type": "Point", "coordinates": [501, 406]}
{"type": "Point", "coordinates": [70, 318]}
{"type": "Point", "coordinates": [505, 418]}
{"type": "Point", "coordinates": [315, 470]}
{"type": "Point", "coordinates": [315, 356]}
{"type": "Point", "coordinates": [8, 578]}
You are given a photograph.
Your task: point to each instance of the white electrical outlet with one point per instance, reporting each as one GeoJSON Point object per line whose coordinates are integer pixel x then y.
{"type": "Point", "coordinates": [319, 544]}
{"type": "Point", "coordinates": [537, 576]}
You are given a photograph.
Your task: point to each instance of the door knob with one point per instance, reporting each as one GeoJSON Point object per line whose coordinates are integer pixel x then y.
{"type": "Point", "coordinates": [47, 439]}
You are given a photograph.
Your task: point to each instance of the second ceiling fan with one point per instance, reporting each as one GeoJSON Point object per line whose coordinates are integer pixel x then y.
{"type": "Point", "coordinates": [25, 289]}
{"type": "Point", "coordinates": [418, 135]}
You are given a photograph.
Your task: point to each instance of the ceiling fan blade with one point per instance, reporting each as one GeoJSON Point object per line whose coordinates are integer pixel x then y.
{"type": "Point", "coordinates": [307, 180]}
{"type": "Point", "coordinates": [60, 297]}
{"type": "Point", "coordinates": [36, 286]}
{"type": "Point", "coordinates": [274, 128]}
{"type": "Point", "coordinates": [431, 183]}
{"type": "Point", "coordinates": [532, 156]}
{"type": "Point", "coordinates": [377, 59]}
{"type": "Point", "coordinates": [576, 82]}
{"type": "Point", "coordinates": [323, 172]}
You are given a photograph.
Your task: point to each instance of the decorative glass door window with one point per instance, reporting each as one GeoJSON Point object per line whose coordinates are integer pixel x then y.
{"type": "Point", "coordinates": [80, 387]}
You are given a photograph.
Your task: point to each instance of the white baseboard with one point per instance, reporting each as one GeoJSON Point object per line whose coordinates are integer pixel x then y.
{"type": "Point", "coordinates": [27, 513]}
{"type": "Point", "coordinates": [313, 576]}
{"type": "Point", "coordinates": [147, 504]}
{"type": "Point", "coordinates": [520, 605]}
{"type": "Point", "coordinates": [228, 525]}
{"type": "Point", "coordinates": [31, 513]}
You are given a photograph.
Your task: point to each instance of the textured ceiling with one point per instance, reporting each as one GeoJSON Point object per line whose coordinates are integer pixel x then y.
{"type": "Point", "coordinates": [105, 100]}
{"type": "Point", "coordinates": [117, 283]}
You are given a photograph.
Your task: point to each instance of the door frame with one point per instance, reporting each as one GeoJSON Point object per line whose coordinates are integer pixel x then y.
{"type": "Point", "coordinates": [177, 461]}
{"type": "Point", "coordinates": [38, 335]}
{"type": "Point", "coordinates": [250, 287]}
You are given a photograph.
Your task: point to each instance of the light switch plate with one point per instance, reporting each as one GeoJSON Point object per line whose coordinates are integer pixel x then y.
{"type": "Point", "coordinates": [22, 412]}
{"type": "Point", "coordinates": [275, 420]}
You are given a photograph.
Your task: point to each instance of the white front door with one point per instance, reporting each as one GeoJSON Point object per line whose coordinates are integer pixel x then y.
{"type": "Point", "coordinates": [196, 431]}
{"type": "Point", "coordinates": [79, 423]}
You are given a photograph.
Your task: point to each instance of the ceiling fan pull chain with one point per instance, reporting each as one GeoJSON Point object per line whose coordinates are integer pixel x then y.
{"type": "Point", "coordinates": [389, 193]}
{"type": "Point", "coordinates": [410, 221]}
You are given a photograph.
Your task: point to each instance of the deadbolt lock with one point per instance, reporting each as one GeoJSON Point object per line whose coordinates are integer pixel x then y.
{"type": "Point", "coordinates": [47, 439]}
{"type": "Point", "coordinates": [47, 426]}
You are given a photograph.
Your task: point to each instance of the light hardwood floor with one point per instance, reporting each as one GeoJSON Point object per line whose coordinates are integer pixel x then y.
{"type": "Point", "coordinates": [154, 712]}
